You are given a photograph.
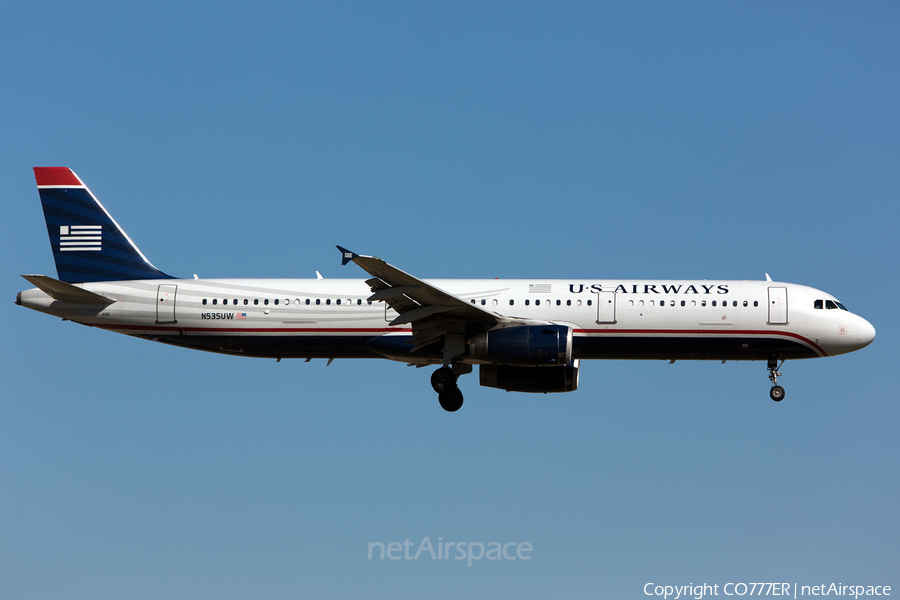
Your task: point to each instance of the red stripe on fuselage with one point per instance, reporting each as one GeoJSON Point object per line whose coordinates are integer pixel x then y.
{"type": "Point", "coordinates": [255, 329]}
{"type": "Point", "coordinates": [382, 331]}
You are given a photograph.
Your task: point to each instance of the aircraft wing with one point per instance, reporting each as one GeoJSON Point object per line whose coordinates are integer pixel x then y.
{"type": "Point", "coordinates": [431, 312]}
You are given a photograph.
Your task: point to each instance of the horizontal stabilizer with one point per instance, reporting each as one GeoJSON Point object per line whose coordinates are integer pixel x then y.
{"type": "Point", "coordinates": [66, 292]}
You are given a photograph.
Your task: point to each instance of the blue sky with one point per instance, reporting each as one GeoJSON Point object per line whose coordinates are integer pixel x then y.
{"type": "Point", "coordinates": [647, 140]}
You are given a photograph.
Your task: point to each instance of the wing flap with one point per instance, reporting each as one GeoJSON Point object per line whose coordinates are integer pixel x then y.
{"type": "Point", "coordinates": [433, 313]}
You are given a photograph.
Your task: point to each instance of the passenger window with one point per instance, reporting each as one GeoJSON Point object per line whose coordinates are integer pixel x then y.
{"type": "Point", "coordinates": [255, 301]}
{"type": "Point", "coordinates": [215, 301]}
{"type": "Point", "coordinates": [359, 302]}
{"type": "Point", "coordinates": [483, 301]}
{"type": "Point", "coordinates": [473, 300]}
{"type": "Point", "coordinates": [589, 302]}
{"type": "Point", "coordinates": [204, 302]}
{"type": "Point", "coordinates": [328, 301]}
{"type": "Point", "coordinates": [652, 302]}
{"type": "Point", "coordinates": [494, 302]}
{"type": "Point", "coordinates": [703, 303]}
{"type": "Point", "coordinates": [578, 302]}
{"type": "Point", "coordinates": [568, 303]}
{"type": "Point", "coordinates": [559, 302]}
{"type": "Point", "coordinates": [734, 303]}
{"type": "Point", "coordinates": [235, 302]}
{"type": "Point", "coordinates": [537, 302]}
{"type": "Point", "coordinates": [307, 301]}
{"type": "Point", "coordinates": [817, 304]}
{"type": "Point", "coordinates": [511, 302]}
{"type": "Point", "coordinates": [318, 301]}
{"type": "Point", "coordinates": [682, 302]}
{"type": "Point", "coordinates": [631, 303]}
{"type": "Point", "coordinates": [338, 301]}
{"type": "Point", "coordinates": [693, 303]}
{"type": "Point", "coordinates": [246, 302]}
{"type": "Point", "coordinates": [713, 302]}
{"type": "Point", "coordinates": [745, 303]}
{"type": "Point", "coordinates": [671, 303]}
{"type": "Point", "coordinates": [755, 303]}
{"type": "Point", "coordinates": [640, 302]}
{"type": "Point", "coordinates": [266, 301]}
{"type": "Point", "coordinates": [527, 302]}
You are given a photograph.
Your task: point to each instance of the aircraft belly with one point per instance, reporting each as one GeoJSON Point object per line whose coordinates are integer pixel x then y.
{"type": "Point", "coordinates": [276, 346]}
{"type": "Point", "coordinates": [731, 346]}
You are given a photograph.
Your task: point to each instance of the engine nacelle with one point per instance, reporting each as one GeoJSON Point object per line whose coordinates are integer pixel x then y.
{"type": "Point", "coordinates": [563, 378]}
{"type": "Point", "coordinates": [524, 345]}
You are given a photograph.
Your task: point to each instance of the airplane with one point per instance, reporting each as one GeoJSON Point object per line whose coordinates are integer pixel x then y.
{"type": "Point", "coordinates": [525, 335]}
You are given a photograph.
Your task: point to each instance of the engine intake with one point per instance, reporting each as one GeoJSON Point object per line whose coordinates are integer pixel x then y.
{"type": "Point", "coordinates": [563, 378]}
{"type": "Point", "coordinates": [524, 345]}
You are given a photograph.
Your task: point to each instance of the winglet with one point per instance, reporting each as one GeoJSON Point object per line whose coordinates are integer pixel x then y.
{"type": "Point", "coordinates": [347, 256]}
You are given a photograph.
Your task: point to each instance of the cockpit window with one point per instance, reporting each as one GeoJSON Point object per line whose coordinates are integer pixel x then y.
{"type": "Point", "coordinates": [817, 304]}
{"type": "Point", "coordinates": [841, 306]}
{"type": "Point", "coordinates": [829, 304]}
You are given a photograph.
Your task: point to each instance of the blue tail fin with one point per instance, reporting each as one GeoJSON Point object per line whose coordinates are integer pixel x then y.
{"type": "Point", "coordinates": [88, 244]}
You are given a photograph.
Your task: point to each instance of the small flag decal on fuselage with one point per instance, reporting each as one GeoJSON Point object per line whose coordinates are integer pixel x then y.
{"type": "Point", "coordinates": [240, 316]}
{"type": "Point", "coordinates": [81, 238]}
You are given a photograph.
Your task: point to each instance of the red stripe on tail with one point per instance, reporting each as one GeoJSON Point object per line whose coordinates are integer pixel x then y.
{"type": "Point", "coordinates": [56, 176]}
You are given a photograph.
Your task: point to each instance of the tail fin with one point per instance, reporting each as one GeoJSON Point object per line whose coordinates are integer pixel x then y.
{"type": "Point", "coordinates": [88, 244]}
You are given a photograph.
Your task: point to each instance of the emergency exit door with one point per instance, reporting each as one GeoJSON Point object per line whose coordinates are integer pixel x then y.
{"type": "Point", "coordinates": [606, 307]}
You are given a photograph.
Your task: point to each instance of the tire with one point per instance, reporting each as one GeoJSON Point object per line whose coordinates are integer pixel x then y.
{"type": "Point", "coordinates": [777, 393]}
{"type": "Point", "coordinates": [451, 400]}
{"type": "Point", "coordinates": [443, 379]}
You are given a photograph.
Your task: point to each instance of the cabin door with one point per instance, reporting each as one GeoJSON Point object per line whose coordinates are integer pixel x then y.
{"type": "Point", "coordinates": [165, 304]}
{"type": "Point", "coordinates": [778, 306]}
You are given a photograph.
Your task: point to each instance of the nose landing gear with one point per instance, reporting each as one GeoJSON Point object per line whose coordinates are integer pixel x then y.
{"type": "Point", "coordinates": [443, 381]}
{"type": "Point", "coordinates": [777, 392]}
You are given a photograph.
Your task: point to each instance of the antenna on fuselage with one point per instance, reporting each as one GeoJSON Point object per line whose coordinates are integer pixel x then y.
{"type": "Point", "coordinates": [768, 278]}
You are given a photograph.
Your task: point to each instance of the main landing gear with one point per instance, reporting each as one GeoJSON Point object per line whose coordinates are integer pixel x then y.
{"type": "Point", "coordinates": [444, 383]}
{"type": "Point", "coordinates": [777, 392]}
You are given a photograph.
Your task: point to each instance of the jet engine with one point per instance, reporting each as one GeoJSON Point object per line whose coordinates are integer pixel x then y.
{"type": "Point", "coordinates": [524, 345]}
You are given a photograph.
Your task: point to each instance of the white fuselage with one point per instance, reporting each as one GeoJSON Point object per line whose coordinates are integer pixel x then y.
{"type": "Point", "coordinates": [612, 319]}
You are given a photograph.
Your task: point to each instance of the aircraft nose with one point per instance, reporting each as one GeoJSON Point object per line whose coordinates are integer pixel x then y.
{"type": "Point", "coordinates": [865, 333]}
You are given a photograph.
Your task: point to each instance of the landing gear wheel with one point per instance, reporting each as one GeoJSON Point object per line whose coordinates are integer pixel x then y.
{"type": "Point", "coordinates": [443, 379]}
{"type": "Point", "coordinates": [777, 392]}
{"type": "Point", "coordinates": [451, 400]}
